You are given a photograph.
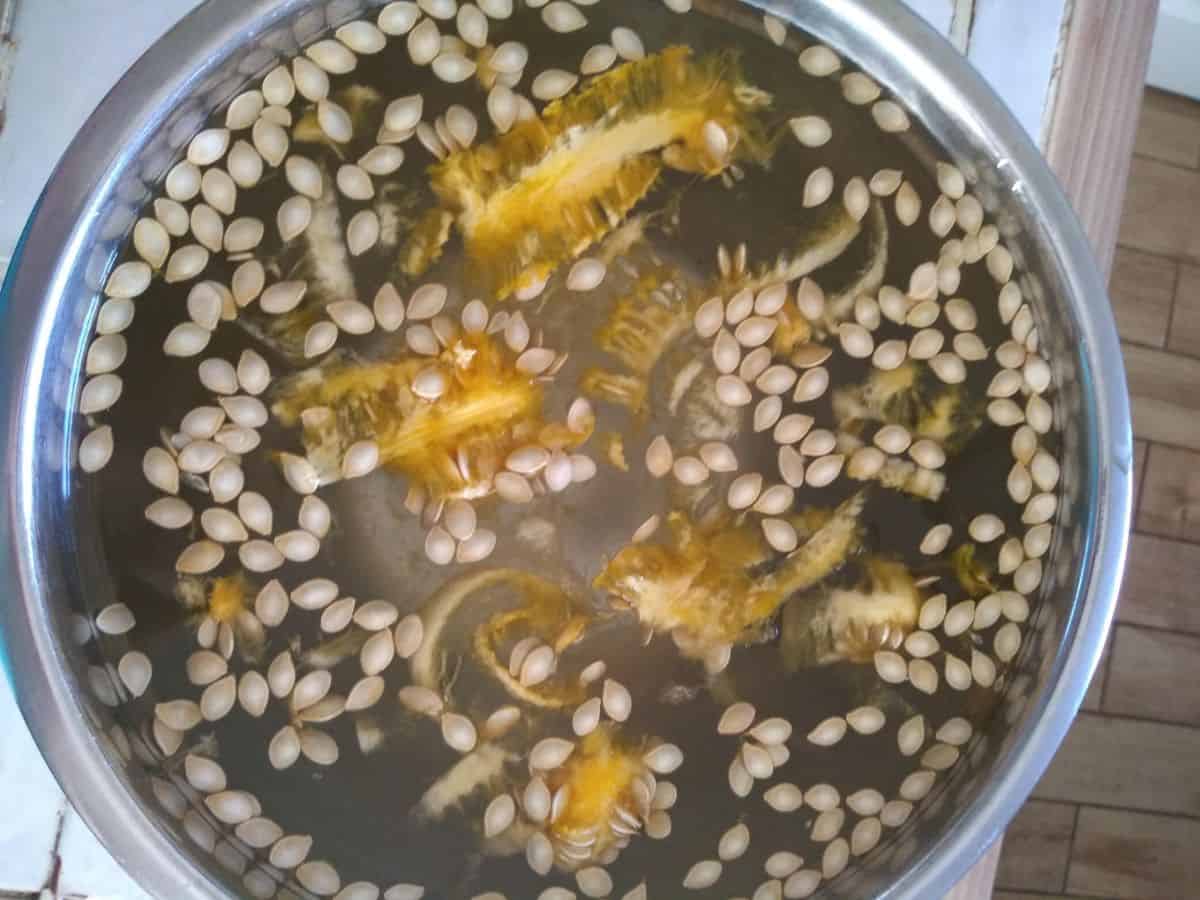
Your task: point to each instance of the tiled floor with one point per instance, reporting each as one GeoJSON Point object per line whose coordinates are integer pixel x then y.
{"type": "Point", "coordinates": [1118, 814]}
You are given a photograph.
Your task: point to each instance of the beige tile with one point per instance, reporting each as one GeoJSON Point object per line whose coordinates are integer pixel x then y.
{"type": "Point", "coordinates": [1142, 288]}
{"type": "Point", "coordinates": [1159, 589]}
{"type": "Point", "coordinates": [1160, 210]}
{"type": "Point", "coordinates": [1121, 762]}
{"type": "Point", "coordinates": [1169, 129]}
{"type": "Point", "coordinates": [1166, 403]}
{"type": "Point", "coordinates": [1135, 856]}
{"type": "Point", "coordinates": [1036, 847]}
{"type": "Point", "coordinates": [1185, 318]}
{"type": "Point", "coordinates": [1153, 674]}
{"type": "Point", "coordinates": [1170, 500]}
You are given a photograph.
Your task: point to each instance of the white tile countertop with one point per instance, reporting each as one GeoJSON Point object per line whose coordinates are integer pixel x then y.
{"type": "Point", "coordinates": [65, 55]}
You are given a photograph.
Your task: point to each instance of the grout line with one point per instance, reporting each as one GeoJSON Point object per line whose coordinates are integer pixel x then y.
{"type": "Point", "coordinates": [1106, 672]}
{"type": "Point", "coordinates": [1071, 848]}
{"type": "Point", "coordinates": [1174, 306]}
{"type": "Point", "coordinates": [1110, 807]}
{"type": "Point", "coordinates": [1140, 720]}
{"type": "Point", "coordinates": [1165, 257]}
{"type": "Point", "coordinates": [1191, 170]}
{"type": "Point", "coordinates": [1157, 629]}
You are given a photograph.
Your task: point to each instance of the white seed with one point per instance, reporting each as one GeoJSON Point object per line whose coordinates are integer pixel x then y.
{"type": "Point", "coordinates": [893, 439]}
{"type": "Point", "coordinates": [865, 836]}
{"type": "Point", "coordinates": [716, 141]}
{"type": "Point", "coordinates": [895, 813]}
{"type": "Point", "coordinates": [958, 673]}
{"type": "Point", "coordinates": [319, 877]}
{"type": "Point", "coordinates": [586, 275]}
{"type": "Point", "coordinates": [663, 759]}
{"type": "Point", "coordinates": [757, 761]}
{"type": "Point", "coordinates": [598, 58]}
{"type": "Point", "coordinates": [829, 823]}
{"type": "Point", "coordinates": [780, 534]}
{"type": "Point", "coordinates": [916, 786]}
{"type": "Point", "coordinates": [866, 719]}
{"type": "Point", "coordinates": [362, 37]}
{"type": "Point", "coordinates": [510, 58]}
{"type": "Point", "coordinates": [856, 197]}
{"type": "Point", "coordinates": [921, 644]}
{"type": "Point", "coordinates": [865, 463]}
{"type": "Point", "coordinates": [536, 360]}
{"type": "Point", "coordinates": [260, 556]}
{"type": "Point", "coordinates": [689, 470]}
{"type": "Point", "coordinates": [949, 368]}
{"type": "Point", "coordinates": [1039, 509]}
{"type": "Point", "coordinates": [563, 17]}
{"type": "Point", "coordinates": [310, 79]}
{"type": "Point", "coordinates": [290, 851]}
{"type": "Point", "coordinates": [169, 512]}
{"type": "Point", "coordinates": [271, 604]}
{"type": "Point", "coordinates": [185, 263]}
{"type": "Point", "coordinates": [182, 715]}
{"type": "Point", "coordinates": [819, 61]}
{"type": "Point", "coordinates": [458, 732]}
{"type": "Point", "coordinates": [337, 615]}
{"type": "Point", "coordinates": [283, 296]}
{"type": "Point", "coordinates": [219, 191]}
{"type": "Point", "coordinates": [334, 121]}
{"type": "Point", "coordinates": [923, 676]}
{"type": "Point", "coordinates": [823, 471]}
{"type": "Point", "coordinates": [552, 84]}
{"type": "Point", "coordinates": [1007, 642]}
{"type": "Point", "coordinates": [732, 391]}
{"type": "Point", "coordinates": [740, 781]}
{"type": "Point", "coordinates": [223, 526]}
{"type": "Point", "coordinates": [718, 457]}
{"type": "Point", "coordinates": [160, 470]}
{"type": "Point", "coordinates": [128, 280]}
{"type": "Point", "coordinates": [183, 182]}
{"type": "Point", "coordinates": [702, 875]}
{"type": "Point", "coordinates": [617, 700]}
{"type": "Point", "coordinates": [928, 454]}
{"type": "Point", "coordinates": [812, 385]}
{"type": "Point", "coordinates": [538, 665]}
{"type": "Point", "coordinates": [550, 753]}
{"type": "Point", "coordinates": [933, 610]}
{"type": "Point", "coordinates": [985, 528]}
{"type": "Point", "coordinates": [499, 815]}
{"type": "Point", "coordinates": [828, 732]}
{"type": "Point", "coordinates": [255, 511]}
{"type": "Point", "coordinates": [1000, 264]}
{"type": "Point", "coordinates": [744, 490]}
{"type": "Point", "coordinates": [983, 669]}
{"type": "Point", "coordinates": [818, 187]}
{"type": "Point", "coordinates": [908, 204]}
{"type": "Point", "coordinates": [791, 466]}
{"type": "Point", "coordinates": [439, 546]}
{"type": "Point", "coordinates": [737, 718]}
{"type": "Point", "coordinates": [811, 131]}
{"type": "Point", "coordinates": [775, 500]}
{"type": "Point", "coordinates": [354, 182]}
{"type": "Point", "coordinates": [736, 841]}
{"type": "Point", "coordinates": [889, 116]}
{"type": "Point", "coordinates": [199, 558]}
{"type": "Point", "coordinates": [218, 699]}
{"type": "Point", "coordinates": [890, 667]}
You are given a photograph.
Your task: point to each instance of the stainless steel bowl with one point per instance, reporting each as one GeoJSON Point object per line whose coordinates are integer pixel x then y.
{"type": "Point", "coordinates": [52, 559]}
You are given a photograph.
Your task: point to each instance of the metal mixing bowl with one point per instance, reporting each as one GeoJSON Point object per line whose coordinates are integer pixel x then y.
{"type": "Point", "coordinates": [52, 558]}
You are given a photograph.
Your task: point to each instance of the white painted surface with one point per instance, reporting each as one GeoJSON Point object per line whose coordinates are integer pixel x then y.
{"type": "Point", "coordinates": [1012, 42]}
{"type": "Point", "coordinates": [1175, 55]}
{"type": "Point", "coordinates": [1014, 46]}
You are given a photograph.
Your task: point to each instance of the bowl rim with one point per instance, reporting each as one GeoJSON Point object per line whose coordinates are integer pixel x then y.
{"type": "Point", "coordinates": [55, 243]}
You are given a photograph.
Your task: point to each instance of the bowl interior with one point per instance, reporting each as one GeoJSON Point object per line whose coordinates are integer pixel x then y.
{"type": "Point", "coordinates": [71, 697]}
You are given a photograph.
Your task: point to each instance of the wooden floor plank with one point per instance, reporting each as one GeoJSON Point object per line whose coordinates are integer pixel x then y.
{"type": "Point", "coordinates": [1153, 674]}
{"type": "Point", "coordinates": [1160, 210]}
{"type": "Point", "coordinates": [1036, 847]}
{"type": "Point", "coordinates": [1170, 500]}
{"type": "Point", "coordinates": [1185, 317]}
{"type": "Point", "coordinates": [1021, 895]}
{"type": "Point", "coordinates": [1133, 856]}
{"type": "Point", "coordinates": [1159, 590]}
{"type": "Point", "coordinates": [1142, 288]}
{"type": "Point", "coordinates": [1169, 129]}
{"type": "Point", "coordinates": [1108, 761]}
{"type": "Point", "coordinates": [1162, 388]}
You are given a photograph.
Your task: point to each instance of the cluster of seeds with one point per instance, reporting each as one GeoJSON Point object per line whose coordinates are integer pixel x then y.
{"type": "Point", "coordinates": [204, 458]}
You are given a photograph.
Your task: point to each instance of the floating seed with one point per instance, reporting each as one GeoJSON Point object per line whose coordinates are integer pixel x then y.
{"type": "Point", "coordinates": [829, 732]}
{"type": "Point", "coordinates": [811, 131]}
{"type": "Point", "coordinates": [923, 676]}
{"type": "Point", "coordinates": [866, 719]}
{"type": "Point", "coordinates": [702, 875]}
